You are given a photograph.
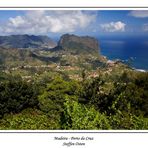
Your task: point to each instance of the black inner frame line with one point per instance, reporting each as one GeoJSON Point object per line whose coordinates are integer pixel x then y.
{"type": "Point", "coordinates": [52, 132]}
{"type": "Point", "coordinates": [93, 7]}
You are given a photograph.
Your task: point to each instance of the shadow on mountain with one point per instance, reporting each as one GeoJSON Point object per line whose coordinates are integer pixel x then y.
{"type": "Point", "coordinates": [46, 59]}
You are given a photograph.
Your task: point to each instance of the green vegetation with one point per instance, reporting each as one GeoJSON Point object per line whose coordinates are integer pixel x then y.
{"type": "Point", "coordinates": [16, 95]}
{"type": "Point", "coordinates": [70, 87]}
{"type": "Point", "coordinates": [55, 102]}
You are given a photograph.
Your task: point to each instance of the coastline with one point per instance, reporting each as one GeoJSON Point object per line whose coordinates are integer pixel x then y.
{"type": "Point", "coordinates": [140, 70]}
{"type": "Point", "coordinates": [122, 61]}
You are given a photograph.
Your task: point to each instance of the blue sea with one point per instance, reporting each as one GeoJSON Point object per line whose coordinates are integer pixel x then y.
{"type": "Point", "coordinates": [135, 48]}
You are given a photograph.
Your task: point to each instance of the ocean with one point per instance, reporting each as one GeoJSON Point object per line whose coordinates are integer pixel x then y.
{"type": "Point", "coordinates": [133, 48]}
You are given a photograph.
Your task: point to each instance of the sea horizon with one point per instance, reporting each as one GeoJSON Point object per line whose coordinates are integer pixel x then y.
{"type": "Point", "coordinates": [127, 49]}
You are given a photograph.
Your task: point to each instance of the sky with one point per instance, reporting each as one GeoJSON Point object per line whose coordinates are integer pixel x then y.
{"type": "Point", "coordinates": [85, 22]}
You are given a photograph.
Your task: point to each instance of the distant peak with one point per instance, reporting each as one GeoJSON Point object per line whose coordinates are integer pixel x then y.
{"type": "Point", "coordinates": [78, 44]}
{"type": "Point", "coordinates": [27, 41]}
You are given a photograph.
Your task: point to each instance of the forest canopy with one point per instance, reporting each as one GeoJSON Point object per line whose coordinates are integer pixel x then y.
{"type": "Point", "coordinates": [96, 103]}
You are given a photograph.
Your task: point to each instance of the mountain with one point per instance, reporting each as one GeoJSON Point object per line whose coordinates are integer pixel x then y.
{"type": "Point", "coordinates": [12, 57]}
{"type": "Point", "coordinates": [78, 44]}
{"type": "Point", "coordinates": [71, 50]}
{"type": "Point", "coordinates": [26, 41]}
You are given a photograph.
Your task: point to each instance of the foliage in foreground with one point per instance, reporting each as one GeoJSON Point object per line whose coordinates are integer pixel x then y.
{"type": "Point", "coordinates": [29, 119]}
{"type": "Point", "coordinates": [16, 95]}
{"type": "Point", "coordinates": [98, 103]}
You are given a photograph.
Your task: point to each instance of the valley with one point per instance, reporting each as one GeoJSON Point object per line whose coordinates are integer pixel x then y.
{"type": "Point", "coordinates": [68, 85]}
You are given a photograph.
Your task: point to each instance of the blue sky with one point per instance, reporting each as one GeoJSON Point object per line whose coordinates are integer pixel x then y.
{"type": "Point", "coordinates": [56, 22]}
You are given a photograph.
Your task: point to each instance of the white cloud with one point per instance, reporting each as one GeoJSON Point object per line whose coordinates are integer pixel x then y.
{"type": "Point", "coordinates": [114, 26]}
{"type": "Point", "coordinates": [16, 22]}
{"type": "Point", "coordinates": [139, 13]}
{"type": "Point", "coordinates": [43, 22]}
{"type": "Point", "coordinates": [145, 27]}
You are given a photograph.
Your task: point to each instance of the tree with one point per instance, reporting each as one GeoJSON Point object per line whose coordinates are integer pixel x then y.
{"type": "Point", "coordinates": [51, 101]}
{"type": "Point", "coordinates": [28, 119]}
{"type": "Point", "coordinates": [16, 95]}
{"type": "Point", "coordinates": [78, 116]}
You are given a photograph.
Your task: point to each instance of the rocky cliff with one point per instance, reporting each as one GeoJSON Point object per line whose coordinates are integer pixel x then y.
{"type": "Point", "coordinates": [78, 44]}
